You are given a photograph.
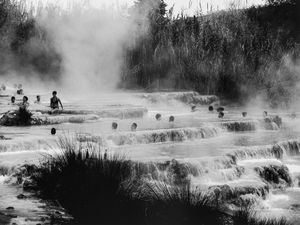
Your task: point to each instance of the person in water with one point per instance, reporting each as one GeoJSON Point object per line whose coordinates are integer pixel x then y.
{"type": "Point", "coordinates": [38, 100]}
{"type": "Point", "coordinates": [12, 100]}
{"type": "Point", "coordinates": [55, 101]}
{"type": "Point", "coordinates": [20, 90]}
{"type": "Point", "coordinates": [24, 105]}
{"type": "Point", "coordinates": [133, 127]}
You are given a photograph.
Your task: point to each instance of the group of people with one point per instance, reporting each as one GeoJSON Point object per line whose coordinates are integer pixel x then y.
{"type": "Point", "coordinates": [55, 102]}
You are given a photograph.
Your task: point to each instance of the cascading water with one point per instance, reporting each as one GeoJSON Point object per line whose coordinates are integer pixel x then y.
{"type": "Point", "coordinates": [239, 159]}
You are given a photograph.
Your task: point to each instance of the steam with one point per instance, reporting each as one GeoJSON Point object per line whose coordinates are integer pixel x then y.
{"type": "Point", "coordinates": [91, 43]}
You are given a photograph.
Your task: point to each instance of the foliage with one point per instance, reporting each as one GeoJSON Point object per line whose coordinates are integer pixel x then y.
{"type": "Point", "coordinates": [25, 46]}
{"type": "Point", "coordinates": [234, 54]}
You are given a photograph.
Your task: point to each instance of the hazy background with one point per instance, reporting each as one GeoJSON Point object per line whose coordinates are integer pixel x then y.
{"type": "Point", "coordinates": [186, 6]}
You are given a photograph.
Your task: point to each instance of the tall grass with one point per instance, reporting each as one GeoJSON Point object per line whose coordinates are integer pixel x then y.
{"type": "Point", "coordinates": [109, 189]}
{"type": "Point", "coordinates": [88, 184]}
{"type": "Point", "coordinates": [234, 53]}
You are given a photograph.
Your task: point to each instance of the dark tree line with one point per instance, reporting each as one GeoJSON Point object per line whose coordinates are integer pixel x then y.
{"type": "Point", "coordinates": [233, 53]}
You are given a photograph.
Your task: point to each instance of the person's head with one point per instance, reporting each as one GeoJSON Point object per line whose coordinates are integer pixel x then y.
{"type": "Point", "coordinates": [114, 125]}
{"type": "Point", "coordinates": [221, 114]}
{"type": "Point", "coordinates": [171, 119]}
{"type": "Point", "coordinates": [211, 108]}
{"type": "Point", "coordinates": [54, 93]}
{"type": "Point", "coordinates": [244, 114]}
{"type": "Point", "coordinates": [25, 99]}
{"type": "Point", "coordinates": [53, 131]}
{"type": "Point", "coordinates": [13, 99]}
{"type": "Point", "coordinates": [133, 127]}
{"type": "Point", "coordinates": [38, 98]}
{"type": "Point", "coordinates": [158, 116]}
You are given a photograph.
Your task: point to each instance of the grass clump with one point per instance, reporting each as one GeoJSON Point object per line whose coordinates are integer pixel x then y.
{"type": "Point", "coordinates": [246, 217]}
{"type": "Point", "coordinates": [98, 188]}
{"type": "Point", "coordinates": [90, 185]}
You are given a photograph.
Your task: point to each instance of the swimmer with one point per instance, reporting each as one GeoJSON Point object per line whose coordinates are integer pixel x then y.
{"type": "Point", "coordinates": [24, 104]}
{"type": "Point", "coordinates": [55, 101]}
{"type": "Point", "coordinates": [53, 131]}
{"type": "Point", "coordinates": [114, 126]}
{"type": "Point", "coordinates": [171, 119]}
{"type": "Point", "coordinates": [158, 117]}
{"type": "Point", "coordinates": [38, 100]}
{"type": "Point", "coordinates": [244, 114]}
{"type": "Point", "coordinates": [12, 100]}
{"type": "Point", "coordinates": [221, 114]}
{"type": "Point", "coordinates": [133, 127]}
{"type": "Point", "coordinates": [210, 108]}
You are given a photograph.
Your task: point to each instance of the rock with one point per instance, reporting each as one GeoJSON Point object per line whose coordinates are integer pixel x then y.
{"type": "Point", "coordinates": [10, 208]}
{"type": "Point", "coordinates": [12, 215]}
{"type": "Point", "coordinates": [211, 108]}
{"type": "Point", "coordinates": [29, 185]}
{"type": "Point", "coordinates": [193, 108]}
{"type": "Point", "coordinates": [225, 193]}
{"type": "Point", "coordinates": [278, 120]}
{"type": "Point", "coordinates": [247, 200]}
{"type": "Point", "coordinates": [295, 207]}
{"type": "Point", "coordinates": [21, 196]}
{"type": "Point", "coordinates": [272, 122]}
{"type": "Point", "coordinates": [277, 176]}
{"type": "Point", "coordinates": [220, 109]}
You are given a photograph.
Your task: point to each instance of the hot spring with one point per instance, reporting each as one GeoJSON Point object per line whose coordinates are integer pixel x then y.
{"type": "Point", "coordinates": [234, 154]}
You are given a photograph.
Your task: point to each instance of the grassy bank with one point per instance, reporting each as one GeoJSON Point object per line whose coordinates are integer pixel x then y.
{"type": "Point", "coordinates": [109, 189]}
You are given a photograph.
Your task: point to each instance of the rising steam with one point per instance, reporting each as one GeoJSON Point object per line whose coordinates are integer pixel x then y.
{"type": "Point", "coordinates": [91, 43]}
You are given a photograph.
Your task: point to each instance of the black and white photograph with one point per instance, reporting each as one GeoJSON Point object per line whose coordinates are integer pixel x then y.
{"type": "Point", "coordinates": [149, 112]}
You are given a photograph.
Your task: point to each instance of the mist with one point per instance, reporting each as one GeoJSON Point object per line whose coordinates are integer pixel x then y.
{"type": "Point", "coordinates": [90, 42]}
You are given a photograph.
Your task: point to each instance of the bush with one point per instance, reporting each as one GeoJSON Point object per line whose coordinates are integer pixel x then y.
{"type": "Point", "coordinates": [235, 54]}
